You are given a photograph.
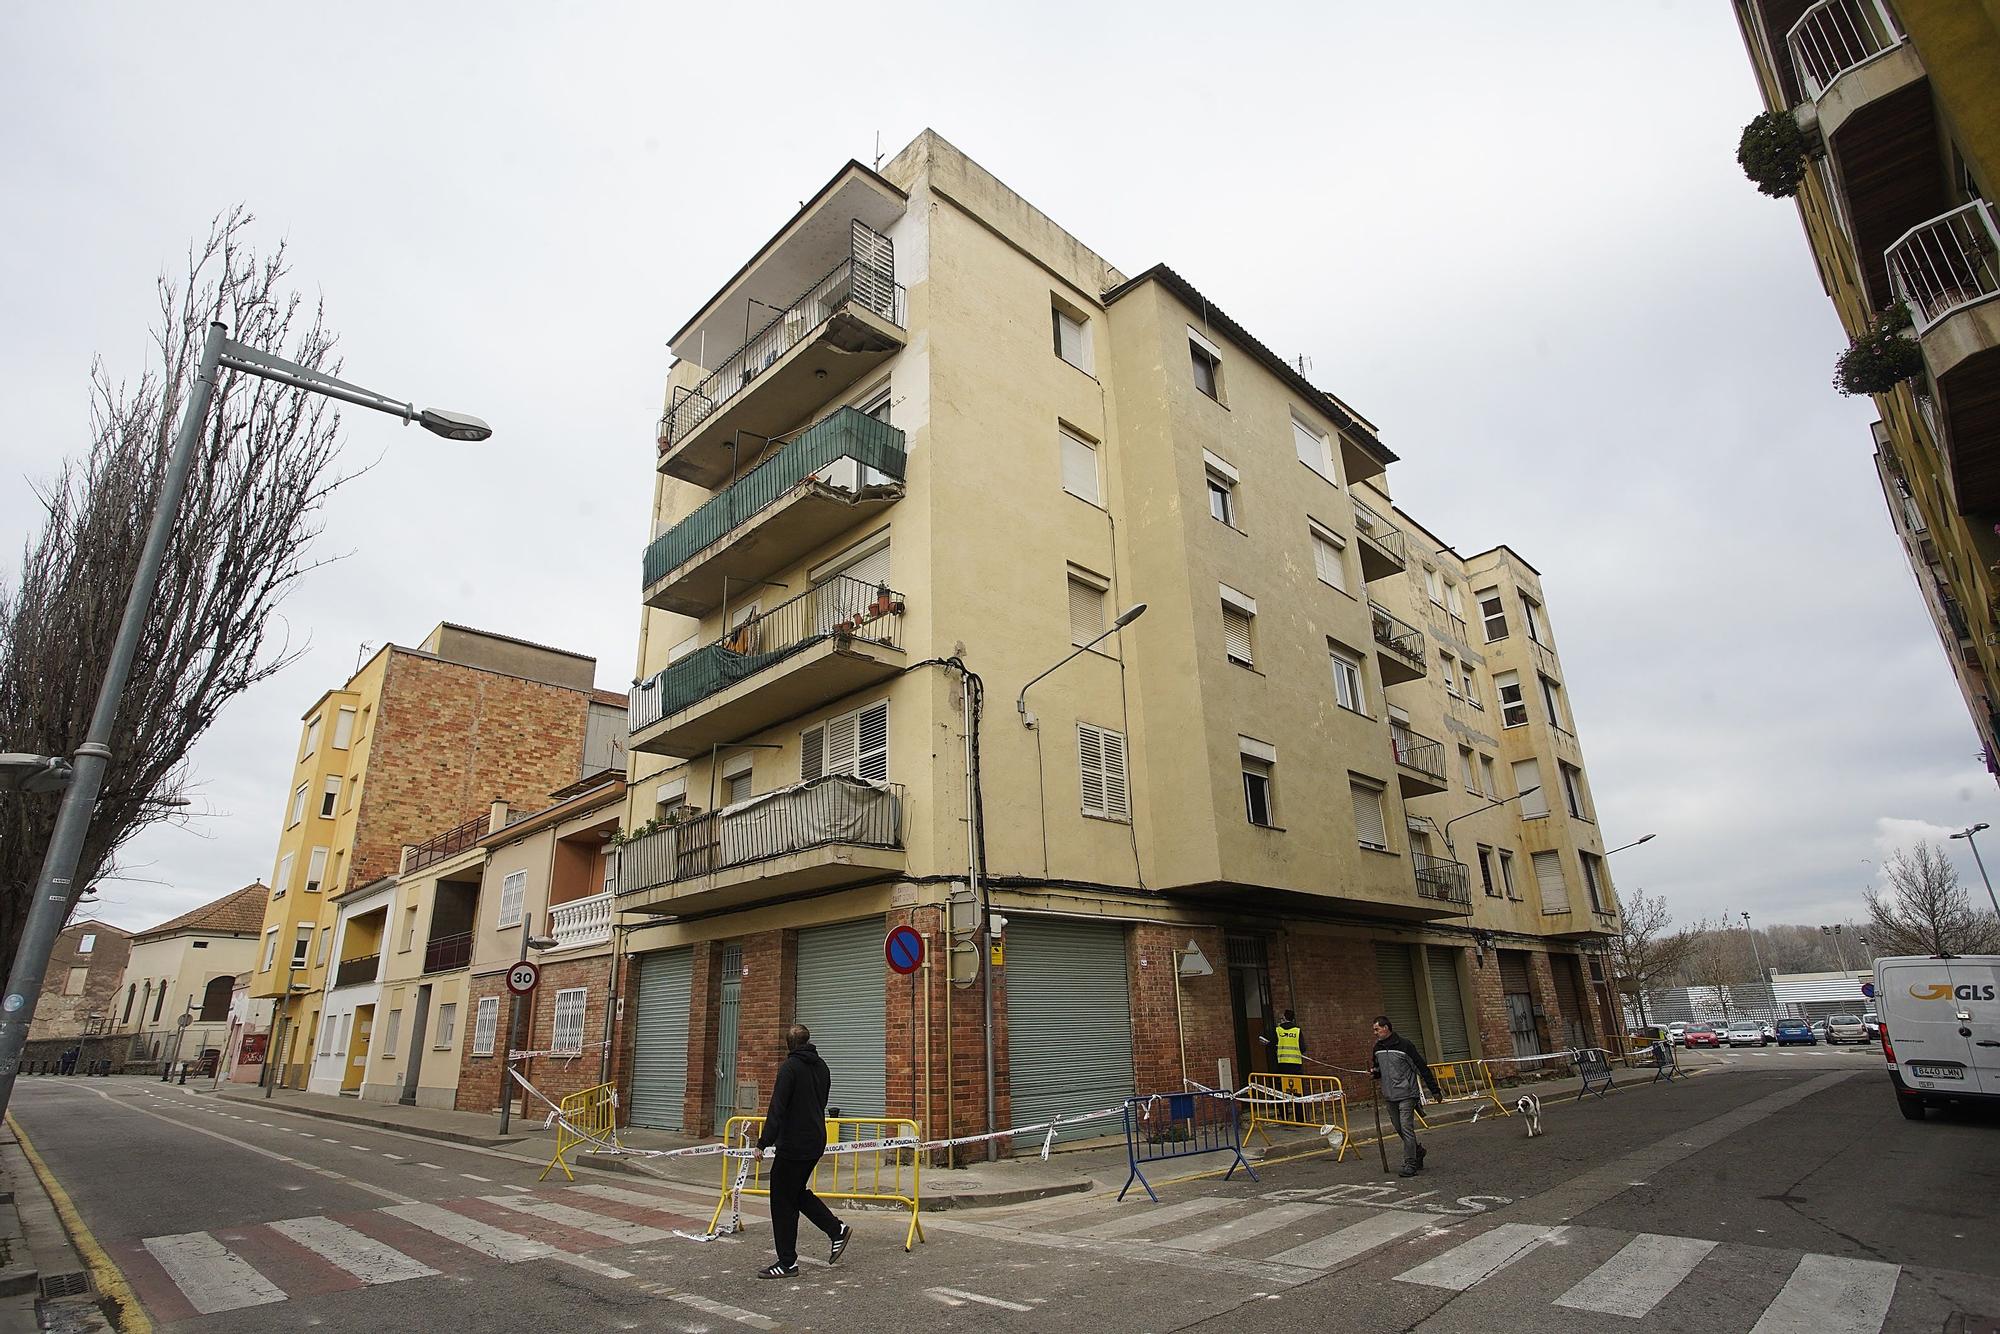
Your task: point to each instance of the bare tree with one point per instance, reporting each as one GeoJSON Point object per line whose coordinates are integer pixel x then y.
{"type": "Point", "coordinates": [1926, 911]}
{"type": "Point", "coordinates": [1644, 952]}
{"type": "Point", "coordinates": [1718, 957]}
{"type": "Point", "coordinates": [264, 467]}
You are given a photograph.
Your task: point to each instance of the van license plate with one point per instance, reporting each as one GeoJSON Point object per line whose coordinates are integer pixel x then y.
{"type": "Point", "coordinates": [1937, 1071]}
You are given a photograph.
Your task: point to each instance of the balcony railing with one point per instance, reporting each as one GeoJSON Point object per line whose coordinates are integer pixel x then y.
{"type": "Point", "coordinates": [847, 434]}
{"type": "Point", "coordinates": [448, 844]}
{"type": "Point", "coordinates": [867, 278]}
{"type": "Point", "coordinates": [1835, 36]}
{"type": "Point", "coordinates": [1442, 879]}
{"type": "Point", "coordinates": [841, 608]}
{"type": "Point", "coordinates": [1377, 533]}
{"type": "Point", "coordinates": [448, 952]}
{"type": "Point", "coordinates": [582, 921]}
{"type": "Point", "coordinates": [832, 811]}
{"type": "Point", "coordinates": [1416, 751]}
{"type": "Point", "coordinates": [1947, 264]}
{"type": "Point", "coordinates": [356, 971]}
{"type": "Point", "coordinates": [1404, 640]}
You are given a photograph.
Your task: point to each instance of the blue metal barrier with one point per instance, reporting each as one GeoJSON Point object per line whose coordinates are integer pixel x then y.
{"type": "Point", "coordinates": [1595, 1068]}
{"type": "Point", "coordinates": [1180, 1125]}
{"type": "Point", "coordinates": [1666, 1063]}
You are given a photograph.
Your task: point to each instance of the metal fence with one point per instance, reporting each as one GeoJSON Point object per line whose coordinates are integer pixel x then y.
{"type": "Point", "coordinates": [1399, 637]}
{"type": "Point", "coordinates": [867, 278]}
{"type": "Point", "coordinates": [448, 952]}
{"type": "Point", "coordinates": [450, 843]}
{"type": "Point", "coordinates": [1834, 36]}
{"type": "Point", "coordinates": [1377, 531]}
{"type": "Point", "coordinates": [1442, 878]}
{"type": "Point", "coordinates": [1181, 1125]}
{"type": "Point", "coordinates": [1947, 263]}
{"type": "Point", "coordinates": [1416, 751]}
{"type": "Point", "coordinates": [353, 972]}
{"type": "Point", "coordinates": [833, 810]}
{"type": "Point", "coordinates": [847, 434]}
{"type": "Point", "coordinates": [840, 608]}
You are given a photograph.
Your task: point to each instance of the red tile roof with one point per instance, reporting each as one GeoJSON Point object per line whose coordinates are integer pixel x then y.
{"type": "Point", "coordinates": [241, 914]}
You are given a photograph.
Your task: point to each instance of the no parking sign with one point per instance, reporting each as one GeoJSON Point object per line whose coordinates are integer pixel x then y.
{"type": "Point", "coordinates": [904, 949]}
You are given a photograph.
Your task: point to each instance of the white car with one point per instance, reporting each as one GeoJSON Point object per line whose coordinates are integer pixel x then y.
{"type": "Point", "coordinates": [1744, 1033]}
{"type": "Point", "coordinates": [1940, 1027]}
{"type": "Point", "coordinates": [1677, 1034]}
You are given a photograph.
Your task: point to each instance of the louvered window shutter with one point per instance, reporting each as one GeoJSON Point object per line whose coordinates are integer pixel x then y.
{"type": "Point", "coordinates": [840, 744]}
{"type": "Point", "coordinates": [1326, 562]}
{"type": "Point", "coordinates": [812, 753]}
{"type": "Point", "coordinates": [1236, 634]}
{"type": "Point", "coordinates": [1117, 798]}
{"type": "Point", "coordinates": [1549, 875]}
{"type": "Point", "coordinates": [1368, 816]}
{"type": "Point", "coordinates": [872, 731]}
{"type": "Point", "coordinates": [1090, 756]}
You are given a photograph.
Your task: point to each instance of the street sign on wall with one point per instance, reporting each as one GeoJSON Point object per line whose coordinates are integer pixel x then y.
{"type": "Point", "coordinates": [905, 950]}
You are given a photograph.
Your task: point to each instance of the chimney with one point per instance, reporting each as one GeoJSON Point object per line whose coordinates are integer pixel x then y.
{"type": "Point", "coordinates": [498, 819]}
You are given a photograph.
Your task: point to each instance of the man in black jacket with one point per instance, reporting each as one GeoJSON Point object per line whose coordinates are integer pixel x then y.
{"type": "Point", "coordinates": [795, 1126]}
{"type": "Point", "coordinates": [1399, 1069]}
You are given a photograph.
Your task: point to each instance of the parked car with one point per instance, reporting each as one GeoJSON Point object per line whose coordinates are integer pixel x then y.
{"type": "Point", "coordinates": [1790, 1032]}
{"type": "Point", "coordinates": [1846, 1028]}
{"type": "Point", "coordinates": [1770, 1031]}
{"type": "Point", "coordinates": [1745, 1033]}
{"type": "Point", "coordinates": [1940, 1030]}
{"type": "Point", "coordinates": [1873, 1022]}
{"type": "Point", "coordinates": [1677, 1034]}
{"type": "Point", "coordinates": [1701, 1035]}
{"type": "Point", "coordinates": [1819, 1030]}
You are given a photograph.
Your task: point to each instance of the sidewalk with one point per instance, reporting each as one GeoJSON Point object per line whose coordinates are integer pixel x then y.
{"type": "Point", "coordinates": [37, 1256]}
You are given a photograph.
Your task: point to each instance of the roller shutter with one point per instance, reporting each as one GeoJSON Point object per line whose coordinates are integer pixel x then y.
{"type": "Point", "coordinates": [1398, 978]}
{"type": "Point", "coordinates": [1069, 1021]}
{"type": "Point", "coordinates": [1569, 995]}
{"type": "Point", "coordinates": [1554, 887]}
{"type": "Point", "coordinates": [1454, 1042]}
{"type": "Point", "coordinates": [1514, 972]}
{"type": "Point", "coordinates": [660, 1039]}
{"type": "Point", "coordinates": [841, 981]}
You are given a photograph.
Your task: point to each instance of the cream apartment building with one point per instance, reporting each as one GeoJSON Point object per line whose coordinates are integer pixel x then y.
{"type": "Point", "coordinates": [962, 446]}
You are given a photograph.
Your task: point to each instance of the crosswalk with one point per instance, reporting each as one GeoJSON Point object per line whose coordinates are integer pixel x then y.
{"type": "Point", "coordinates": [183, 1276]}
{"type": "Point", "coordinates": [1600, 1272]}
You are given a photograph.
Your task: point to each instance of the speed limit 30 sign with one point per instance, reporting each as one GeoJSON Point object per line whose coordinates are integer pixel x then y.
{"type": "Point", "coordinates": [521, 978]}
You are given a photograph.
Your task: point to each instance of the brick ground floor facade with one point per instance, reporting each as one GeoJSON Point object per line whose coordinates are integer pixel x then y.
{"type": "Point", "coordinates": [555, 1076]}
{"type": "Point", "coordinates": [1148, 1019]}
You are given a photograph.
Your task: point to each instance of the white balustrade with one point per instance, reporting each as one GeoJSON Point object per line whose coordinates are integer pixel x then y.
{"type": "Point", "coordinates": [582, 921]}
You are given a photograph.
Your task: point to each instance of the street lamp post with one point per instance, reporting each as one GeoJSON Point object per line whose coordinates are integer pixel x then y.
{"type": "Point", "coordinates": [1763, 978]}
{"type": "Point", "coordinates": [1643, 838]}
{"type": "Point", "coordinates": [55, 885]}
{"type": "Point", "coordinates": [1971, 842]}
{"type": "Point", "coordinates": [1445, 833]}
{"type": "Point", "coordinates": [1839, 944]}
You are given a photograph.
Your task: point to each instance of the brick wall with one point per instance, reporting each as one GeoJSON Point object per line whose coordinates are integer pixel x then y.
{"type": "Point", "coordinates": [449, 740]}
{"type": "Point", "coordinates": [61, 1016]}
{"type": "Point", "coordinates": [479, 1077]}
{"type": "Point", "coordinates": [1338, 994]}
{"type": "Point", "coordinates": [704, 1037]}
{"type": "Point", "coordinates": [1205, 1017]}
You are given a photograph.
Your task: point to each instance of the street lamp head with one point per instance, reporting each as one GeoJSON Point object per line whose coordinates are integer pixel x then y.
{"type": "Point", "coordinates": [1968, 833]}
{"type": "Point", "coordinates": [1129, 615]}
{"type": "Point", "coordinates": [543, 942]}
{"type": "Point", "coordinates": [1644, 838]}
{"type": "Point", "coordinates": [1529, 790]}
{"type": "Point", "coordinates": [453, 425]}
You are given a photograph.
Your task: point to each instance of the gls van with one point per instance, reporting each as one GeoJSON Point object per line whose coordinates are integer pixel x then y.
{"type": "Point", "coordinates": [1940, 1029]}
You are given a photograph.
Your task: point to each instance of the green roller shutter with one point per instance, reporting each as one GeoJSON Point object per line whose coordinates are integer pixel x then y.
{"type": "Point", "coordinates": [1069, 1022]}
{"type": "Point", "coordinates": [842, 975]}
{"type": "Point", "coordinates": [1569, 995]}
{"type": "Point", "coordinates": [1398, 978]}
{"type": "Point", "coordinates": [1454, 1043]}
{"type": "Point", "coordinates": [660, 1039]}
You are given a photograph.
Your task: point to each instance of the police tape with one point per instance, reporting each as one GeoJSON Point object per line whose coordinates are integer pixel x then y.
{"type": "Point", "coordinates": [569, 1053]}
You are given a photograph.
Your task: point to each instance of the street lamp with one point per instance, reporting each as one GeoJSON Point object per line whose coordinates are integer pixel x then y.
{"type": "Point", "coordinates": [1839, 944]}
{"type": "Point", "coordinates": [34, 773]}
{"type": "Point", "coordinates": [1643, 838]}
{"type": "Point", "coordinates": [1125, 618]}
{"type": "Point", "coordinates": [1762, 977]}
{"type": "Point", "coordinates": [53, 889]}
{"type": "Point", "coordinates": [1445, 833]}
{"type": "Point", "coordinates": [1967, 835]}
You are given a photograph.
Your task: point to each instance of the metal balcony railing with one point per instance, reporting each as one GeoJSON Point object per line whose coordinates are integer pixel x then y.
{"type": "Point", "coordinates": [847, 434]}
{"type": "Point", "coordinates": [1946, 264]}
{"type": "Point", "coordinates": [448, 952]}
{"type": "Point", "coordinates": [448, 844]}
{"type": "Point", "coordinates": [358, 970]}
{"type": "Point", "coordinates": [840, 608]}
{"type": "Point", "coordinates": [1400, 638]}
{"type": "Point", "coordinates": [1378, 531]}
{"type": "Point", "coordinates": [1834, 36]}
{"type": "Point", "coordinates": [582, 921]}
{"type": "Point", "coordinates": [1416, 751]}
{"type": "Point", "coordinates": [867, 278]}
{"type": "Point", "coordinates": [1443, 879]}
{"type": "Point", "coordinates": [835, 810]}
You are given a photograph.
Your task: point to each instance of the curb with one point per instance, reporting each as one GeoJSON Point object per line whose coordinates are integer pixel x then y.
{"type": "Point", "coordinates": [380, 1123]}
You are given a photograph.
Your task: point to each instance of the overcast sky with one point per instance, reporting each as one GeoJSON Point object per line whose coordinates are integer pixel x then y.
{"type": "Point", "coordinates": [1515, 237]}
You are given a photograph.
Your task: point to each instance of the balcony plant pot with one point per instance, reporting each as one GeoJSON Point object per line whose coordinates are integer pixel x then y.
{"type": "Point", "coordinates": [1773, 153]}
{"type": "Point", "coordinates": [1881, 357]}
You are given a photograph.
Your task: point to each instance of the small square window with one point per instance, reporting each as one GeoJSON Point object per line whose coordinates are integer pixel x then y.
{"type": "Point", "coordinates": [1222, 499]}
{"type": "Point", "coordinates": [1329, 558]}
{"type": "Point", "coordinates": [1072, 336]}
{"type": "Point", "coordinates": [1079, 468]}
{"type": "Point", "coordinates": [1207, 371]}
{"type": "Point", "coordinates": [1236, 635]}
{"type": "Point", "coordinates": [1348, 691]}
{"type": "Point", "coordinates": [1257, 791]}
{"type": "Point", "coordinates": [1086, 611]}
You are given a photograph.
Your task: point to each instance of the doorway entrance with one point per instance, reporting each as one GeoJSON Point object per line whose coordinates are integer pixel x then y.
{"type": "Point", "coordinates": [725, 1035]}
{"type": "Point", "coordinates": [357, 1049]}
{"type": "Point", "coordinates": [1250, 1005]}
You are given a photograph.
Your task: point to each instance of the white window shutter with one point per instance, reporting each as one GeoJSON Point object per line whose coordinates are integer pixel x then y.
{"type": "Point", "coordinates": [1549, 875]}
{"type": "Point", "coordinates": [1117, 795]}
{"type": "Point", "coordinates": [840, 739]}
{"type": "Point", "coordinates": [1327, 563]}
{"type": "Point", "coordinates": [872, 733]}
{"type": "Point", "coordinates": [1090, 756]}
{"type": "Point", "coordinates": [1236, 634]}
{"type": "Point", "coordinates": [1079, 468]}
{"type": "Point", "coordinates": [812, 753]}
{"type": "Point", "coordinates": [1086, 611]}
{"type": "Point", "coordinates": [1368, 827]}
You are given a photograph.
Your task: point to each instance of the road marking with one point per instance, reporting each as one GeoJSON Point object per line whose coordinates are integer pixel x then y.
{"type": "Point", "coordinates": [959, 1297]}
{"type": "Point", "coordinates": [471, 1233]}
{"type": "Point", "coordinates": [620, 1195]}
{"type": "Point", "coordinates": [1354, 1240]}
{"type": "Point", "coordinates": [1485, 1255]}
{"type": "Point", "coordinates": [470, 1177]}
{"type": "Point", "coordinates": [397, 1156]}
{"type": "Point", "coordinates": [359, 1254]}
{"type": "Point", "coordinates": [626, 1234]}
{"type": "Point", "coordinates": [433, 1166]}
{"type": "Point", "coordinates": [1151, 1216]}
{"type": "Point", "coordinates": [130, 1315]}
{"type": "Point", "coordinates": [1830, 1295]}
{"type": "Point", "coordinates": [1269, 1219]}
{"type": "Point", "coordinates": [1633, 1282]}
{"type": "Point", "coordinates": [212, 1277]}
{"type": "Point", "coordinates": [723, 1309]}
{"type": "Point", "coordinates": [1145, 1252]}
{"type": "Point", "coordinates": [591, 1266]}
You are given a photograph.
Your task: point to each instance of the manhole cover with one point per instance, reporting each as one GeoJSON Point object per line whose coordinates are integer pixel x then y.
{"type": "Point", "coordinates": [66, 1285]}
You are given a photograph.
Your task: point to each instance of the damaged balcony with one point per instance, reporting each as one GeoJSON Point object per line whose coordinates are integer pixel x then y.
{"type": "Point", "coordinates": [829, 641]}
{"type": "Point", "coordinates": [819, 835]}
{"type": "Point", "coordinates": [821, 482]}
{"type": "Point", "coordinates": [847, 322]}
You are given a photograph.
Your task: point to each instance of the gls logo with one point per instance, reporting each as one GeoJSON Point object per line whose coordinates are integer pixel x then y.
{"type": "Point", "coordinates": [1945, 991]}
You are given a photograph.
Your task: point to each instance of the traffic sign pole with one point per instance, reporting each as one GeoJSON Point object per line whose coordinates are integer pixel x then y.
{"type": "Point", "coordinates": [513, 1022]}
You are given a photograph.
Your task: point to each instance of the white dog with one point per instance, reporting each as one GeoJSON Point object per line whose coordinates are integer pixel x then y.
{"type": "Point", "coordinates": [1530, 1107]}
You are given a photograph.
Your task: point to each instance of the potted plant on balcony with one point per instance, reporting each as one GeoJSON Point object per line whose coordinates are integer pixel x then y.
{"type": "Point", "coordinates": [1773, 153]}
{"type": "Point", "coordinates": [885, 602]}
{"type": "Point", "coordinates": [1881, 356]}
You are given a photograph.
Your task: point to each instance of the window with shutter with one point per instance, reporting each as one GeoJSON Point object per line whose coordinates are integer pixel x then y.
{"type": "Point", "coordinates": [1527, 776]}
{"type": "Point", "coordinates": [872, 749]}
{"type": "Point", "coordinates": [568, 1027]}
{"type": "Point", "coordinates": [513, 897]}
{"type": "Point", "coordinates": [1079, 468]}
{"type": "Point", "coordinates": [343, 729]}
{"type": "Point", "coordinates": [812, 753]}
{"type": "Point", "coordinates": [856, 744]}
{"type": "Point", "coordinates": [1492, 613]}
{"type": "Point", "coordinates": [1086, 610]}
{"type": "Point", "coordinates": [1513, 705]}
{"type": "Point", "coordinates": [1328, 562]}
{"type": "Point", "coordinates": [1101, 771]}
{"type": "Point", "coordinates": [1369, 829]}
{"type": "Point", "coordinates": [1236, 635]}
{"type": "Point", "coordinates": [1549, 879]}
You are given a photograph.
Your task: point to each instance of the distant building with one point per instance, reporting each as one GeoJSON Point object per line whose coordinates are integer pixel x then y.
{"type": "Point", "coordinates": [81, 986]}
{"type": "Point", "coordinates": [187, 967]}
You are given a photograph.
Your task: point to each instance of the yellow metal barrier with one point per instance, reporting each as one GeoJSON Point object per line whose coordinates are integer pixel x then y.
{"type": "Point", "coordinates": [1329, 1110]}
{"type": "Point", "coordinates": [1461, 1081]}
{"type": "Point", "coordinates": [892, 1174]}
{"type": "Point", "coordinates": [591, 1113]}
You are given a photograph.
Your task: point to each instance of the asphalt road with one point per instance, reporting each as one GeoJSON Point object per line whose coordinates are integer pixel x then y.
{"type": "Point", "coordinates": [1780, 1190]}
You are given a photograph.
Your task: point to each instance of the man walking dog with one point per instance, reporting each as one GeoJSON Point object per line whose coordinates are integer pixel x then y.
{"type": "Point", "coordinates": [795, 1127]}
{"type": "Point", "coordinates": [1399, 1069]}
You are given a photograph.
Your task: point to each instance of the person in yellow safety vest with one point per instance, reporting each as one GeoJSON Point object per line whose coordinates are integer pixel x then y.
{"type": "Point", "coordinates": [1291, 1055]}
